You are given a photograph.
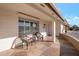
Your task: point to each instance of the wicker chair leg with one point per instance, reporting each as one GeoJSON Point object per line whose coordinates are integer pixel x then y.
{"type": "Point", "coordinates": [42, 38]}
{"type": "Point", "coordinates": [22, 44]}
{"type": "Point", "coordinates": [31, 43]}
{"type": "Point", "coordinates": [27, 45]}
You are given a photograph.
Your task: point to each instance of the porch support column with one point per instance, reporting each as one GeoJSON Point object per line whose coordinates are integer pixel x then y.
{"type": "Point", "coordinates": [54, 30]}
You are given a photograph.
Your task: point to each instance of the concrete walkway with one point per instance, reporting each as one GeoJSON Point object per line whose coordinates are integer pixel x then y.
{"type": "Point", "coordinates": [67, 49]}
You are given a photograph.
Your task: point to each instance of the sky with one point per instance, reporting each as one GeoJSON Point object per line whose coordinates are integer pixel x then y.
{"type": "Point", "coordinates": [70, 11]}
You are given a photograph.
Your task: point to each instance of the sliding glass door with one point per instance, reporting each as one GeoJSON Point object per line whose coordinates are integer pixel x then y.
{"type": "Point", "coordinates": [33, 27]}
{"type": "Point", "coordinates": [27, 26]}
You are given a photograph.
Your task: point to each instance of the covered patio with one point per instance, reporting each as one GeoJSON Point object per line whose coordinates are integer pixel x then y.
{"type": "Point", "coordinates": [24, 19]}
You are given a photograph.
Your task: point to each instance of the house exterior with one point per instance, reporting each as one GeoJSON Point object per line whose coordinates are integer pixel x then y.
{"type": "Point", "coordinates": [23, 18]}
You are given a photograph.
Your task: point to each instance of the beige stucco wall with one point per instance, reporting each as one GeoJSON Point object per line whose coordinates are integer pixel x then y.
{"type": "Point", "coordinates": [58, 28]}
{"type": "Point", "coordinates": [8, 28]}
{"type": "Point", "coordinates": [50, 28]}
{"type": "Point", "coordinates": [8, 24]}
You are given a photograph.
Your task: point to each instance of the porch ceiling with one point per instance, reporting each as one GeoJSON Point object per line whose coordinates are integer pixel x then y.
{"type": "Point", "coordinates": [31, 9]}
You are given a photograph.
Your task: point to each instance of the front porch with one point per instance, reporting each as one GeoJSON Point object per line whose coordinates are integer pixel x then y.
{"type": "Point", "coordinates": [19, 19]}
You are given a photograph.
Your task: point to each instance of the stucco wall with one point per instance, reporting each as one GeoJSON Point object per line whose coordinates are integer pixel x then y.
{"type": "Point", "coordinates": [50, 28]}
{"type": "Point", "coordinates": [8, 29]}
{"type": "Point", "coordinates": [58, 28]}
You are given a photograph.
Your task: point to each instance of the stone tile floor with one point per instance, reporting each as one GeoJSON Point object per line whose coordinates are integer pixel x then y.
{"type": "Point", "coordinates": [37, 49]}
{"type": "Point", "coordinates": [46, 48]}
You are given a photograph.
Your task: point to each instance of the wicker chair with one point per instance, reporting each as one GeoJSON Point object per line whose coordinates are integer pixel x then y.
{"type": "Point", "coordinates": [24, 40]}
{"type": "Point", "coordinates": [39, 36]}
{"type": "Point", "coordinates": [28, 40]}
